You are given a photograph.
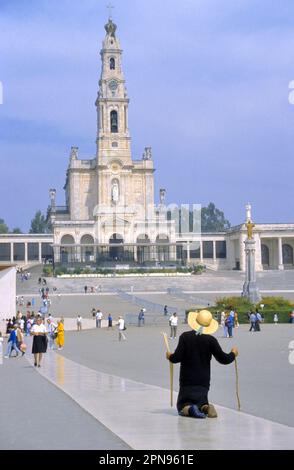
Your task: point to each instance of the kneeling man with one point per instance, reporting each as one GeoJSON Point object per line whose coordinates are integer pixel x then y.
{"type": "Point", "coordinates": [194, 352]}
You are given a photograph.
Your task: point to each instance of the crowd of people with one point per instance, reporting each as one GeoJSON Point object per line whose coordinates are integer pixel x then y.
{"type": "Point", "coordinates": [44, 331]}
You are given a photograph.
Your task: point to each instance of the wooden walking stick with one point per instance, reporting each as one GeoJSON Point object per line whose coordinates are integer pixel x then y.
{"type": "Point", "coordinates": [237, 385]}
{"type": "Point", "coordinates": [171, 370]}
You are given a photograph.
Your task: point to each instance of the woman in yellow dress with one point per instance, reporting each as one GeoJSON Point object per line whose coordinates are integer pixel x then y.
{"type": "Point", "coordinates": [60, 334]}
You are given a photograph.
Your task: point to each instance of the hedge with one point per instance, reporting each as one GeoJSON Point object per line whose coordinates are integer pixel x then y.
{"type": "Point", "coordinates": [283, 307]}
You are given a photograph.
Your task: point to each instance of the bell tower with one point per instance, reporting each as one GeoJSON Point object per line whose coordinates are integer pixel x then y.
{"type": "Point", "coordinates": [113, 138]}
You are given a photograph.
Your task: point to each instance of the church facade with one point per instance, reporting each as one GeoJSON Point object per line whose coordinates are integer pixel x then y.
{"type": "Point", "coordinates": [110, 213]}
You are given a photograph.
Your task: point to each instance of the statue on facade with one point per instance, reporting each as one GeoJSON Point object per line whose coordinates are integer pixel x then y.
{"type": "Point", "coordinates": [74, 153]}
{"type": "Point", "coordinates": [147, 155]}
{"type": "Point", "coordinates": [110, 28]}
{"type": "Point", "coordinates": [115, 192]}
{"type": "Point", "coordinates": [162, 193]}
{"type": "Point", "coordinates": [52, 194]}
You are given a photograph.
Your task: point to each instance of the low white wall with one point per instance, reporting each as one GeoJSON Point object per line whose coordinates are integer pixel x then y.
{"type": "Point", "coordinates": [7, 292]}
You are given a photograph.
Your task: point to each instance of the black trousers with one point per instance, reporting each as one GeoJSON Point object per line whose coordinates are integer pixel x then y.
{"type": "Point", "coordinates": [192, 395]}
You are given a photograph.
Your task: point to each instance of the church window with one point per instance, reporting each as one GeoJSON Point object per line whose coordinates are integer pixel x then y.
{"type": "Point", "coordinates": [113, 121]}
{"type": "Point", "coordinates": [114, 144]}
{"type": "Point", "coordinates": [287, 254]}
{"type": "Point", "coordinates": [112, 63]}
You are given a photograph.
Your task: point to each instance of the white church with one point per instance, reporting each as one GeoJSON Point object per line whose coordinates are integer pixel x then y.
{"type": "Point", "coordinates": [110, 217]}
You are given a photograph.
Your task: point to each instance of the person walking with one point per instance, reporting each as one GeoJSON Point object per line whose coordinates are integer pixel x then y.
{"type": "Point", "coordinates": [109, 318]}
{"type": "Point", "coordinates": [165, 310]}
{"type": "Point", "coordinates": [99, 316]}
{"type": "Point", "coordinates": [60, 334]}
{"type": "Point", "coordinates": [121, 328]}
{"type": "Point", "coordinates": [52, 332]}
{"type": "Point", "coordinates": [236, 320]}
{"type": "Point", "coordinates": [79, 323]}
{"type": "Point", "coordinates": [258, 320]}
{"type": "Point", "coordinates": [223, 323]}
{"type": "Point", "coordinates": [229, 324]}
{"type": "Point", "coordinates": [276, 318]}
{"type": "Point", "coordinates": [38, 331]}
{"type": "Point", "coordinates": [194, 353]}
{"type": "Point", "coordinates": [141, 317]}
{"type": "Point", "coordinates": [252, 321]}
{"type": "Point", "coordinates": [12, 343]}
{"type": "Point", "coordinates": [93, 312]}
{"type": "Point", "coordinates": [173, 321]}
{"type": "Point", "coordinates": [19, 340]}
{"type": "Point", "coordinates": [85, 289]}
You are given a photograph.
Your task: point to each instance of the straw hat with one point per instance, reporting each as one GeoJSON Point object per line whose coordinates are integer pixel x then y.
{"type": "Point", "coordinates": [204, 320]}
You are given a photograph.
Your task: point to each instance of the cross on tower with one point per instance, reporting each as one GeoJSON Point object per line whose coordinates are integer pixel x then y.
{"type": "Point", "coordinates": [110, 8]}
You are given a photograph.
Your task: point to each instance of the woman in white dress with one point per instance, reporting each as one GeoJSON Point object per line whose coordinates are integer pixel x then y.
{"type": "Point", "coordinates": [38, 331]}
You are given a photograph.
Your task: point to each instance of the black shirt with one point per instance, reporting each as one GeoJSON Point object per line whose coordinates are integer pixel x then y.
{"type": "Point", "coordinates": [194, 352]}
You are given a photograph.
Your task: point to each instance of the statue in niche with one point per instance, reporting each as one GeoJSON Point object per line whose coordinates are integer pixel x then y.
{"type": "Point", "coordinates": [115, 192]}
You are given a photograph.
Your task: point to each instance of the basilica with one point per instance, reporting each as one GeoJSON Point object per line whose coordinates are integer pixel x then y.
{"type": "Point", "coordinates": [110, 217]}
{"type": "Point", "coordinates": [110, 213]}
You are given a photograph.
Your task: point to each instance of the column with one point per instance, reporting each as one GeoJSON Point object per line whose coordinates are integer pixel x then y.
{"type": "Point", "coordinates": [242, 253]}
{"type": "Point", "coordinates": [172, 253]}
{"type": "Point", "coordinates": [258, 260]}
{"type": "Point", "coordinates": [40, 252]}
{"type": "Point", "coordinates": [214, 251]}
{"type": "Point", "coordinates": [11, 253]}
{"type": "Point", "coordinates": [188, 253]}
{"type": "Point", "coordinates": [201, 251]}
{"type": "Point", "coordinates": [26, 253]}
{"type": "Point", "coordinates": [135, 252]}
{"type": "Point", "coordinates": [280, 246]}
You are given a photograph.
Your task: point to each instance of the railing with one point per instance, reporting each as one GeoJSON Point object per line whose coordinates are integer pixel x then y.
{"type": "Point", "coordinates": [151, 306]}
{"type": "Point", "coordinates": [195, 300]}
{"type": "Point", "coordinates": [59, 210]}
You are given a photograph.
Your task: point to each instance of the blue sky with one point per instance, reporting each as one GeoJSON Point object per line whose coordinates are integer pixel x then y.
{"type": "Point", "coordinates": [208, 82]}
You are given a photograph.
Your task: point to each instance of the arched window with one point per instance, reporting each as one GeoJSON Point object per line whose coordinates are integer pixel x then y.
{"type": "Point", "coordinates": [87, 250]}
{"type": "Point", "coordinates": [287, 254]}
{"type": "Point", "coordinates": [112, 63]}
{"type": "Point", "coordinates": [113, 121]}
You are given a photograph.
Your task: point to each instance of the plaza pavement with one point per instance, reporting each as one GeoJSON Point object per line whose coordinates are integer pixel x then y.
{"type": "Point", "coordinates": [37, 415]}
{"type": "Point", "coordinates": [180, 293]}
{"type": "Point", "coordinates": [138, 366]}
{"type": "Point", "coordinates": [265, 373]}
{"type": "Point", "coordinates": [124, 385]}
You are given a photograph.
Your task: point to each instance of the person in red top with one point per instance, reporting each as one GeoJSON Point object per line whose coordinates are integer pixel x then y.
{"type": "Point", "coordinates": [194, 352]}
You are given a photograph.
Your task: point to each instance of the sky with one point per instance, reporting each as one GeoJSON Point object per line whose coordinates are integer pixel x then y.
{"type": "Point", "coordinates": [208, 82]}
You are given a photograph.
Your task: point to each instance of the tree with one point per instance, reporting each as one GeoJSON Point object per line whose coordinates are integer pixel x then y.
{"type": "Point", "coordinates": [213, 219]}
{"type": "Point", "coordinates": [16, 230]}
{"type": "Point", "coordinates": [3, 227]}
{"type": "Point", "coordinates": [39, 224]}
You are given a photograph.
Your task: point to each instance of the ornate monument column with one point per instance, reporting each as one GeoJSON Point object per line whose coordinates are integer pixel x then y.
{"type": "Point", "coordinates": [250, 289]}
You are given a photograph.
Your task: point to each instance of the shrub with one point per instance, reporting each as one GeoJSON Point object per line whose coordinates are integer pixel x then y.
{"type": "Point", "coordinates": [272, 305]}
{"type": "Point", "coordinates": [78, 271]}
{"type": "Point", "coordinates": [241, 304]}
{"type": "Point", "coordinates": [47, 270]}
{"type": "Point", "coordinates": [275, 303]}
{"type": "Point", "coordinates": [60, 271]}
